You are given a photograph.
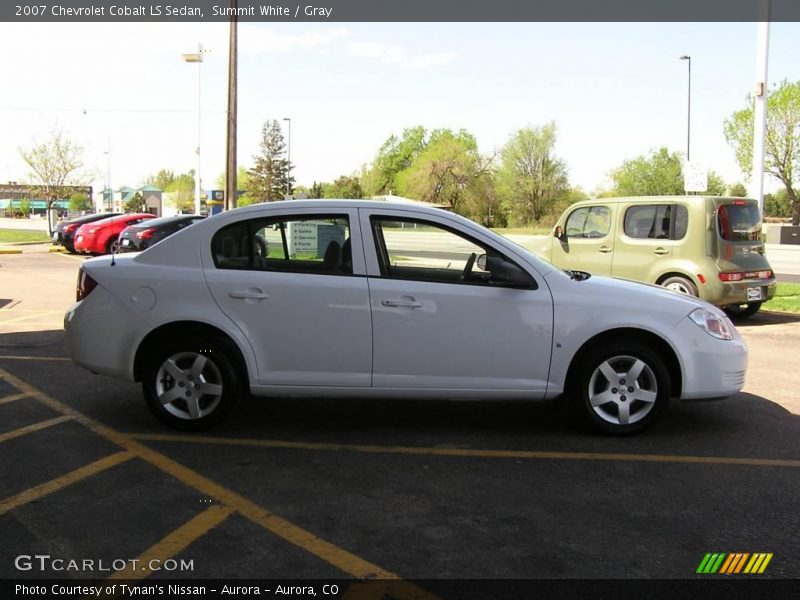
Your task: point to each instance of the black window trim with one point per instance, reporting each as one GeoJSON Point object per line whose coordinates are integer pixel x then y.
{"type": "Point", "coordinates": [281, 219]}
{"type": "Point", "coordinates": [383, 254]}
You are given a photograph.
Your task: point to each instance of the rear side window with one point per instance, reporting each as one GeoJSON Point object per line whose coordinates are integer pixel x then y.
{"type": "Point", "coordinates": [297, 244]}
{"type": "Point", "coordinates": [656, 221]}
{"type": "Point", "coordinates": [589, 222]}
{"type": "Point", "coordinates": [739, 222]}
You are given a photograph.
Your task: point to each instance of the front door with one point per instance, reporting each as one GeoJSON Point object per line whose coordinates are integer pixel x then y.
{"type": "Point", "coordinates": [438, 321]}
{"type": "Point", "coordinates": [589, 241]}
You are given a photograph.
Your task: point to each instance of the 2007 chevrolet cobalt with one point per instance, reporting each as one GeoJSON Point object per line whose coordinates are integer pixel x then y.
{"type": "Point", "coordinates": [353, 298]}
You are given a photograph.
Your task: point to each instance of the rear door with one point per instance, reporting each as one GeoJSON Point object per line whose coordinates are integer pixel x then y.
{"type": "Point", "coordinates": [649, 236]}
{"type": "Point", "coordinates": [589, 241]}
{"type": "Point", "coordinates": [295, 286]}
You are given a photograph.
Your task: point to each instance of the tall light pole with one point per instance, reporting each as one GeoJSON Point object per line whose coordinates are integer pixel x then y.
{"type": "Point", "coordinates": [197, 57]}
{"type": "Point", "coordinates": [288, 156]}
{"type": "Point", "coordinates": [760, 106]}
{"type": "Point", "coordinates": [688, 58]}
{"type": "Point", "coordinates": [231, 184]}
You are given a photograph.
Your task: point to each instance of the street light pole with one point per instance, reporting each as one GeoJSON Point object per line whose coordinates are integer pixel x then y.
{"type": "Point", "coordinates": [688, 58]}
{"type": "Point", "coordinates": [288, 156]}
{"type": "Point", "coordinates": [197, 57]}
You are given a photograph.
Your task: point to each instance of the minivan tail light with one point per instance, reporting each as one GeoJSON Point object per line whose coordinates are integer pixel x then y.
{"type": "Point", "coordinates": [85, 285]}
{"type": "Point", "coordinates": [767, 274]}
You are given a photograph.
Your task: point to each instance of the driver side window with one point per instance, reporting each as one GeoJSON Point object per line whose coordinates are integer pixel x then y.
{"type": "Point", "coordinates": [426, 251]}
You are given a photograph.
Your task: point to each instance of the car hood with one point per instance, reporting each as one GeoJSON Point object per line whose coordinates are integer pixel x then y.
{"type": "Point", "coordinates": [623, 294]}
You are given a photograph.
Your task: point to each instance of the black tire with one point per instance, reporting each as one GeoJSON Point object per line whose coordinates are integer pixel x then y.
{"type": "Point", "coordinates": [70, 248]}
{"type": "Point", "coordinates": [631, 405]}
{"type": "Point", "coordinates": [175, 369]}
{"type": "Point", "coordinates": [112, 245]}
{"type": "Point", "coordinates": [742, 311]}
{"type": "Point", "coordinates": [681, 284]}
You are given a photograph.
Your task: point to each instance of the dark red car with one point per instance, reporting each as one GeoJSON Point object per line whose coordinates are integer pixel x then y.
{"type": "Point", "coordinates": [101, 236]}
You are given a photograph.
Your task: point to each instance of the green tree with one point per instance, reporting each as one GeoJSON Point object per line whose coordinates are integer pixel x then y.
{"type": "Point", "coordinates": [531, 179]}
{"type": "Point", "coordinates": [782, 146]}
{"type": "Point", "coordinates": [80, 202]}
{"type": "Point", "coordinates": [268, 177]}
{"type": "Point", "coordinates": [737, 190]}
{"type": "Point", "coordinates": [161, 180]}
{"type": "Point", "coordinates": [136, 204]}
{"type": "Point", "coordinates": [346, 186]}
{"type": "Point", "coordinates": [179, 192]}
{"type": "Point", "coordinates": [449, 171]}
{"type": "Point", "coordinates": [777, 205]}
{"type": "Point", "coordinates": [658, 174]}
{"type": "Point", "coordinates": [242, 181]}
{"type": "Point", "coordinates": [55, 165]}
{"type": "Point", "coordinates": [395, 155]}
{"type": "Point", "coordinates": [316, 190]}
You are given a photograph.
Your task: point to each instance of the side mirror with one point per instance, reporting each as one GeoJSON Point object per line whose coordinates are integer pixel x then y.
{"type": "Point", "coordinates": [507, 273]}
{"type": "Point", "coordinates": [560, 234]}
{"type": "Point", "coordinates": [481, 262]}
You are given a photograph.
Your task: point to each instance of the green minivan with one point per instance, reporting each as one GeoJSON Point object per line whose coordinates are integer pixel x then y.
{"type": "Point", "coordinates": [706, 246]}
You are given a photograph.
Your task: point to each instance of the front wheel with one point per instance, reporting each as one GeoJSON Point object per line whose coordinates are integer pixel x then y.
{"type": "Point", "coordinates": [742, 311]}
{"type": "Point", "coordinates": [621, 387]}
{"type": "Point", "coordinates": [191, 385]}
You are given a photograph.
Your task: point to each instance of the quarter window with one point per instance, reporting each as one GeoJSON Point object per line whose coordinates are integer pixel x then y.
{"type": "Point", "coordinates": [589, 222]}
{"type": "Point", "coordinates": [299, 244]}
{"type": "Point", "coordinates": [656, 221]}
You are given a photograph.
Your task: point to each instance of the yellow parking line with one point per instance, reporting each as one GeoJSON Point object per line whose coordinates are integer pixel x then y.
{"type": "Point", "coordinates": [13, 398]}
{"type": "Point", "coordinates": [10, 435]}
{"type": "Point", "coordinates": [54, 485]}
{"type": "Point", "coordinates": [465, 452]}
{"type": "Point", "coordinates": [44, 358]}
{"type": "Point", "coordinates": [174, 543]}
{"type": "Point", "coordinates": [33, 316]}
{"type": "Point", "coordinates": [338, 557]}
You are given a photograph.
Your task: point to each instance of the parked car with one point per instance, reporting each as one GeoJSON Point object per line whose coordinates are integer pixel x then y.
{"type": "Point", "coordinates": [387, 299]}
{"type": "Point", "coordinates": [143, 235]}
{"type": "Point", "coordinates": [101, 237]}
{"type": "Point", "coordinates": [702, 246]}
{"type": "Point", "coordinates": [64, 233]}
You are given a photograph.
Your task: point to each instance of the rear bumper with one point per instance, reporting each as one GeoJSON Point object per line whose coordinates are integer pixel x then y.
{"type": "Point", "coordinates": [723, 293]}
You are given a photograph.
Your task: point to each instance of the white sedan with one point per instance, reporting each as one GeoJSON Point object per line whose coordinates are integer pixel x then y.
{"type": "Point", "coordinates": [387, 299]}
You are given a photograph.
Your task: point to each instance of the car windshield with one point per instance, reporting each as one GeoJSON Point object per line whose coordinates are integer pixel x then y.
{"type": "Point", "coordinates": [739, 222]}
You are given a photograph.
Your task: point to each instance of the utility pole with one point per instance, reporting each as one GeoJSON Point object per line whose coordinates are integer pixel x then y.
{"type": "Point", "coordinates": [760, 109]}
{"type": "Point", "coordinates": [230, 166]}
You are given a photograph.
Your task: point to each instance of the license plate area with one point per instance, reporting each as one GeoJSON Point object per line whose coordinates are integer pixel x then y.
{"type": "Point", "coordinates": [754, 293]}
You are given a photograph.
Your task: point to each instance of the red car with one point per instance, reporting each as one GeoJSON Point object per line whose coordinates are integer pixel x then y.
{"type": "Point", "coordinates": [101, 236]}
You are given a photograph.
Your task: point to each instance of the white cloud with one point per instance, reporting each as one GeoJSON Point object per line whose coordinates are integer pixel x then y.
{"type": "Point", "coordinates": [254, 39]}
{"type": "Point", "coordinates": [394, 54]}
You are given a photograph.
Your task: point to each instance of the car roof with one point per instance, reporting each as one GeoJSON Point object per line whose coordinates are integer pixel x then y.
{"type": "Point", "coordinates": [327, 204]}
{"type": "Point", "coordinates": [633, 199]}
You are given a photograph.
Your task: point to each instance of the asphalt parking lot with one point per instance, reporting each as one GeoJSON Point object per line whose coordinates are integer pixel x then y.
{"type": "Point", "coordinates": [402, 489]}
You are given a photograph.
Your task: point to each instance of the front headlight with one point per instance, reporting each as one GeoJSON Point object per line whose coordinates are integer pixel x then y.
{"type": "Point", "coordinates": [713, 324]}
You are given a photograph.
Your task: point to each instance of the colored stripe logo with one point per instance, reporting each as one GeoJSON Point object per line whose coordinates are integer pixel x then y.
{"type": "Point", "coordinates": [734, 563]}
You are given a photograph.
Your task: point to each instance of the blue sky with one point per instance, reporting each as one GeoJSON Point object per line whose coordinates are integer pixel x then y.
{"type": "Point", "coordinates": [614, 90]}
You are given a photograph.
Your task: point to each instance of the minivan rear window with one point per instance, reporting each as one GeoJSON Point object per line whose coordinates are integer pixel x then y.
{"type": "Point", "coordinates": [739, 222]}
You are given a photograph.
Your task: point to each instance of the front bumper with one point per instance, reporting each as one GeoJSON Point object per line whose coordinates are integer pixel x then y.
{"type": "Point", "coordinates": [712, 368]}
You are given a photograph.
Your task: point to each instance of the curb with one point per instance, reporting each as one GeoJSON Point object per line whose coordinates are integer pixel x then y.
{"type": "Point", "coordinates": [6, 251]}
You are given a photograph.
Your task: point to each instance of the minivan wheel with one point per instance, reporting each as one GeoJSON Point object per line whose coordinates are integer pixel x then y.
{"type": "Point", "coordinates": [742, 311]}
{"type": "Point", "coordinates": [680, 284]}
{"type": "Point", "coordinates": [621, 387]}
{"type": "Point", "coordinates": [191, 385]}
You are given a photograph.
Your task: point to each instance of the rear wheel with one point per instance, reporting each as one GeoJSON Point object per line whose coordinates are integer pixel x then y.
{"type": "Point", "coordinates": [744, 310]}
{"type": "Point", "coordinates": [621, 387]}
{"type": "Point", "coordinates": [191, 384]}
{"type": "Point", "coordinates": [680, 284]}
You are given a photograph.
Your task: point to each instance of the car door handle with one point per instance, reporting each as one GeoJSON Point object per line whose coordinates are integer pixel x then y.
{"type": "Point", "coordinates": [411, 303]}
{"type": "Point", "coordinates": [248, 295]}
{"type": "Point", "coordinates": [604, 249]}
{"type": "Point", "coordinates": [660, 251]}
